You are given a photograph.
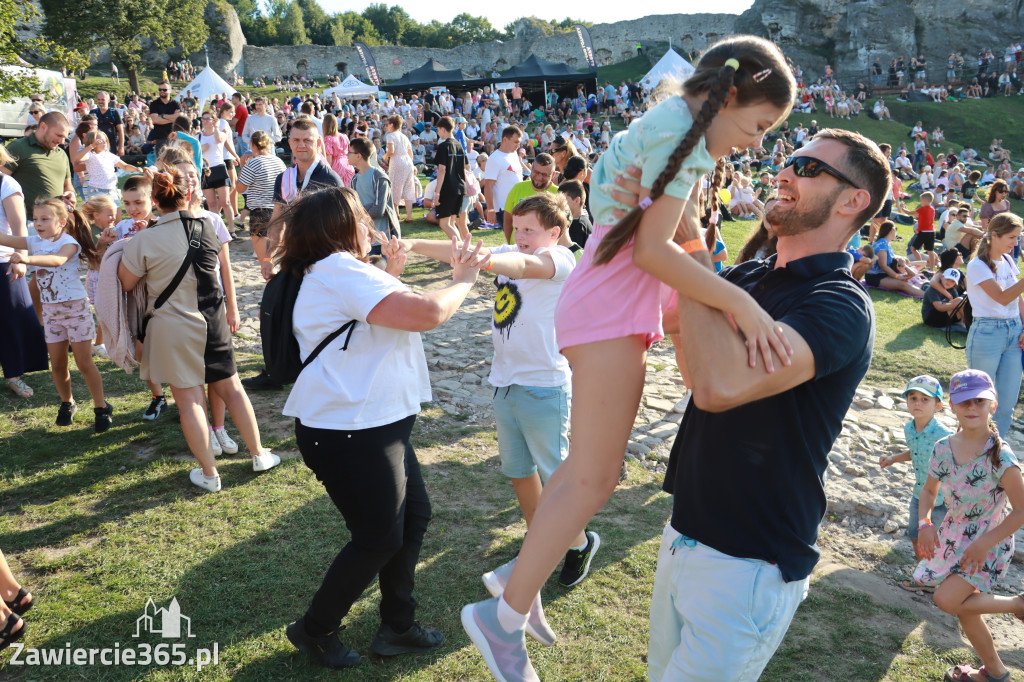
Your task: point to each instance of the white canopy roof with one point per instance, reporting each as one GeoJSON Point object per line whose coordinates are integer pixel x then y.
{"type": "Point", "coordinates": [205, 86]}
{"type": "Point", "coordinates": [670, 66]}
{"type": "Point", "coordinates": [352, 87]}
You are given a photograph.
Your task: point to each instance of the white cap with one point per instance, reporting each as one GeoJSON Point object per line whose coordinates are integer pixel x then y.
{"type": "Point", "coordinates": [953, 274]}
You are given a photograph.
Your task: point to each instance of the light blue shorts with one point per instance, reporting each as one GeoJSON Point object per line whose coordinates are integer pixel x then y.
{"type": "Point", "coordinates": [714, 612]}
{"type": "Point", "coordinates": [533, 429]}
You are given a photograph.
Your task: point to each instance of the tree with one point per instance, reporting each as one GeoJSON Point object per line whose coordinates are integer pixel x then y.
{"type": "Point", "coordinates": [292, 29]}
{"type": "Point", "coordinates": [391, 23]}
{"type": "Point", "coordinates": [339, 34]}
{"type": "Point", "coordinates": [22, 84]}
{"type": "Point", "coordinates": [469, 29]}
{"type": "Point", "coordinates": [360, 29]}
{"type": "Point", "coordinates": [120, 25]}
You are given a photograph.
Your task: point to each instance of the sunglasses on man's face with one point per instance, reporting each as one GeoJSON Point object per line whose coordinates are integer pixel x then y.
{"type": "Point", "coordinates": [810, 167]}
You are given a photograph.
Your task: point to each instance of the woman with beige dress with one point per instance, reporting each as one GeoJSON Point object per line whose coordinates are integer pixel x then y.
{"type": "Point", "coordinates": [398, 156]}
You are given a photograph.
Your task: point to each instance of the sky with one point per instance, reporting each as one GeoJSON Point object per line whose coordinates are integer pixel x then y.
{"type": "Point", "coordinates": [502, 13]}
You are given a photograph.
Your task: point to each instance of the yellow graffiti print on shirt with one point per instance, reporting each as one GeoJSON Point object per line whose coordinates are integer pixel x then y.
{"type": "Point", "coordinates": [507, 303]}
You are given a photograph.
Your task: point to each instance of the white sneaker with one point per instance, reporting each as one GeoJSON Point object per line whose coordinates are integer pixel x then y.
{"type": "Point", "coordinates": [215, 445]}
{"type": "Point", "coordinates": [100, 350]}
{"type": "Point", "coordinates": [227, 445]}
{"type": "Point", "coordinates": [211, 483]}
{"type": "Point", "coordinates": [265, 460]}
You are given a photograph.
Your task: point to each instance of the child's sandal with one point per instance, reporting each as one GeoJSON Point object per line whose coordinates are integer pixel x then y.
{"type": "Point", "coordinates": [989, 678]}
{"type": "Point", "coordinates": [8, 635]}
{"type": "Point", "coordinates": [20, 388]}
{"type": "Point", "coordinates": [16, 604]}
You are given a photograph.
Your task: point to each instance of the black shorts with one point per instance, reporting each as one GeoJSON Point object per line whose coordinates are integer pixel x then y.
{"type": "Point", "coordinates": [873, 279]}
{"type": "Point", "coordinates": [964, 251]}
{"type": "Point", "coordinates": [923, 239]}
{"type": "Point", "coordinates": [886, 210]}
{"type": "Point", "coordinates": [216, 178]}
{"type": "Point", "coordinates": [448, 204]}
{"type": "Point", "coordinates": [259, 221]}
{"type": "Point", "coordinates": [229, 164]}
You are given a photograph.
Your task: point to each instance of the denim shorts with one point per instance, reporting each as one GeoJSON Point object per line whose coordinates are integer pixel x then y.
{"type": "Point", "coordinates": [938, 514]}
{"type": "Point", "coordinates": [714, 615]}
{"type": "Point", "coordinates": [533, 429]}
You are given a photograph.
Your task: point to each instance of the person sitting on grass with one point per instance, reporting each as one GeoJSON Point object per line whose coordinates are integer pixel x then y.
{"type": "Point", "coordinates": [961, 234]}
{"type": "Point", "coordinates": [938, 304]}
{"type": "Point", "coordinates": [924, 401]}
{"type": "Point", "coordinates": [882, 274]}
{"type": "Point", "coordinates": [863, 259]}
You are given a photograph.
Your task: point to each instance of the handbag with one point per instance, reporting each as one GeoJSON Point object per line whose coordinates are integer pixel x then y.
{"type": "Point", "coordinates": [194, 244]}
{"type": "Point", "coordinates": [472, 184]}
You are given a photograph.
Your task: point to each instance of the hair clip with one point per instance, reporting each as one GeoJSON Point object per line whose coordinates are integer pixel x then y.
{"type": "Point", "coordinates": [761, 75]}
{"type": "Point", "coordinates": [645, 203]}
{"type": "Point", "coordinates": [733, 62]}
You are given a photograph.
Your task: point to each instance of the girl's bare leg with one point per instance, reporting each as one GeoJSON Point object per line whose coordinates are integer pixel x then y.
{"type": "Point", "coordinates": [192, 408]}
{"type": "Point", "coordinates": [608, 380]}
{"type": "Point", "coordinates": [233, 395]}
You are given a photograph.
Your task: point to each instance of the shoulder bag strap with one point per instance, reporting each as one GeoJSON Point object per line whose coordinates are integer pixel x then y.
{"type": "Point", "coordinates": [350, 326]}
{"type": "Point", "coordinates": [194, 243]}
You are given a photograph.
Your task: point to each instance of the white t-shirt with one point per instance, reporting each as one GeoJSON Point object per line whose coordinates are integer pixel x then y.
{"type": "Point", "coordinates": [60, 284]}
{"type": "Point", "coordinates": [214, 153]}
{"type": "Point", "coordinates": [102, 169]}
{"type": "Point", "coordinates": [523, 325]}
{"type": "Point", "coordinates": [381, 378]}
{"type": "Point", "coordinates": [8, 187]}
{"type": "Point", "coordinates": [125, 228]}
{"type": "Point", "coordinates": [506, 170]}
{"type": "Point", "coordinates": [1006, 276]}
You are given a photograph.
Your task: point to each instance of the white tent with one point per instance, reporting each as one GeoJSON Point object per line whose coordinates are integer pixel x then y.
{"type": "Point", "coordinates": [205, 86]}
{"type": "Point", "coordinates": [669, 66]}
{"type": "Point", "coordinates": [352, 87]}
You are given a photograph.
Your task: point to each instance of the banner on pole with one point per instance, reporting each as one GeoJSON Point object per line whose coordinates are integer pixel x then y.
{"type": "Point", "coordinates": [368, 63]}
{"type": "Point", "coordinates": [587, 44]}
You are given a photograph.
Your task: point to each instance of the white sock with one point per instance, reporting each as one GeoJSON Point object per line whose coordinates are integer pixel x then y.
{"type": "Point", "coordinates": [510, 619]}
{"type": "Point", "coordinates": [586, 541]}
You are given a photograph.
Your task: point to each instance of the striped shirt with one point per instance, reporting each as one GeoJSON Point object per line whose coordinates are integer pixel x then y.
{"type": "Point", "coordinates": [259, 174]}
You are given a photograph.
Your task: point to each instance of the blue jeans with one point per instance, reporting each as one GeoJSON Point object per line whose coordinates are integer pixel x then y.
{"type": "Point", "coordinates": [714, 616]}
{"type": "Point", "coordinates": [993, 346]}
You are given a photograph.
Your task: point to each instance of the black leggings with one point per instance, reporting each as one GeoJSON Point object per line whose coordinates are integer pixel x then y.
{"type": "Point", "coordinates": [374, 480]}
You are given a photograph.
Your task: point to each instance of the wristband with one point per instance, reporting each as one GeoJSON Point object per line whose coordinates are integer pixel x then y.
{"type": "Point", "coordinates": [924, 523]}
{"type": "Point", "coordinates": [265, 260]}
{"type": "Point", "coordinates": [694, 245]}
{"type": "Point", "coordinates": [489, 266]}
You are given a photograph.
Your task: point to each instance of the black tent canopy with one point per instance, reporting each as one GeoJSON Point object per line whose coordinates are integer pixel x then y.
{"type": "Point", "coordinates": [432, 74]}
{"type": "Point", "coordinates": [535, 70]}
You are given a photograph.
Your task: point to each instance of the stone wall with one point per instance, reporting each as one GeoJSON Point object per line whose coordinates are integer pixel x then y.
{"type": "Point", "coordinates": [612, 43]}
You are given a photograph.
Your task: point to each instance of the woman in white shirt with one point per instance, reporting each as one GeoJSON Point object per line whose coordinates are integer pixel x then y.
{"type": "Point", "coordinates": [994, 341]}
{"type": "Point", "coordinates": [354, 410]}
{"type": "Point", "coordinates": [400, 168]}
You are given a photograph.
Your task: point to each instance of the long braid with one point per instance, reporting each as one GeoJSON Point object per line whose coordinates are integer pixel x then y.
{"type": "Point", "coordinates": [712, 204]}
{"type": "Point", "coordinates": [718, 92]}
{"type": "Point", "coordinates": [997, 443]}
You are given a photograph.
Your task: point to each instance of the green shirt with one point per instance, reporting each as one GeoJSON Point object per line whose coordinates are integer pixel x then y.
{"type": "Point", "coordinates": [522, 190]}
{"type": "Point", "coordinates": [40, 173]}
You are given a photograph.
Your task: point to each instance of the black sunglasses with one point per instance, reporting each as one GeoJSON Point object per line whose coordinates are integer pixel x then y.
{"type": "Point", "coordinates": [810, 167]}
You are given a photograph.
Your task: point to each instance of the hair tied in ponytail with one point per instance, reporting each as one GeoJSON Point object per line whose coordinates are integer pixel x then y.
{"type": "Point", "coordinates": [733, 62]}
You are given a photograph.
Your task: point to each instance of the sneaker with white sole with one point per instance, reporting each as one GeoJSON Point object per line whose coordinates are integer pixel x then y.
{"type": "Point", "coordinates": [211, 483]}
{"type": "Point", "coordinates": [536, 624]}
{"type": "Point", "coordinates": [100, 350]}
{"type": "Point", "coordinates": [215, 445]}
{"type": "Point", "coordinates": [504, 652]}
{"type": "Point", "coordinates": [156, 407]}
{"type": "Point", "coordinates": [577, 561]}
{"type": "Point", "coordinates": [229, 446]}
{"type": "Point", "coordinates": [265, 460]}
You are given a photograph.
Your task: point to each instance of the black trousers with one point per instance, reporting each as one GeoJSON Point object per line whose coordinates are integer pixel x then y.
{"type": "Point", "coordinates": [374, 480]}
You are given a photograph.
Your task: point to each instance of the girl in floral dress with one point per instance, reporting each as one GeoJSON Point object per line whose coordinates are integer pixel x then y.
{"type": "Point", "coordinates": [978, 474]}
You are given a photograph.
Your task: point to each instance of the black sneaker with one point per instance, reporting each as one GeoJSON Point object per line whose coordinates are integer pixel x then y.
{"type": "Point", "coordinates": [577, 561]}
{"type": "Point", "coordinates": [155, 409]}
{"type": "Point", "coordinates": [261, 382]}
{"type": "Point", "coordinates": [327, 649]}
{"type": "Point", "coordinates": [104, 417]}
{"type": "Point", "coordinates": [66, 414]}
{"type": "Point", "coordinates": [415, 640]}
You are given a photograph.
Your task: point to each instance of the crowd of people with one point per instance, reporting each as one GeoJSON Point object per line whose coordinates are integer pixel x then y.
{"type": "Point", "coordinates": [611, 243]}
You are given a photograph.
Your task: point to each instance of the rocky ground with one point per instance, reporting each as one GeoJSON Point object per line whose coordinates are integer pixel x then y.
{"type": "Point", "coordinates": [867, 506]}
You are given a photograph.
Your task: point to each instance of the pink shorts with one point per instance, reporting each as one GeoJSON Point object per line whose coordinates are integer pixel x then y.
{"type": "Point", "coordinates": [68, 321]}
{"type": "Point", "coordinates": [610, 301]}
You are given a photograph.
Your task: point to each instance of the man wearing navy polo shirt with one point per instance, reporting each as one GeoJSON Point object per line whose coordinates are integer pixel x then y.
{"type": "Point", "coordinates": [747, 467]}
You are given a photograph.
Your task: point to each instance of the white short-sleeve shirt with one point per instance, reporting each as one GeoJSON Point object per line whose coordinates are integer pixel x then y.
{"type": "Point", "coordinates": [62, 283]}
{"type": "Point", "coordinates": [8, 187]}
{"type": "Point", "coordinates": [1006, 275]}
{"type": "Point", "coordinates": [523, 325]}
{"type": "Point", "coordinates": [382, 376]}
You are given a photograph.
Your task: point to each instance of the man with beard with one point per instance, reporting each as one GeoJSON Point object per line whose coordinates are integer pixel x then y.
{"type": "Point", "coordinates": [109, 122]}
{"type": "Point", "coordinates": [746, 469]}
{"type": "Point", "coordinates": [540, 181]}
{"type": "Point", "coordinates": [163, 112]}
